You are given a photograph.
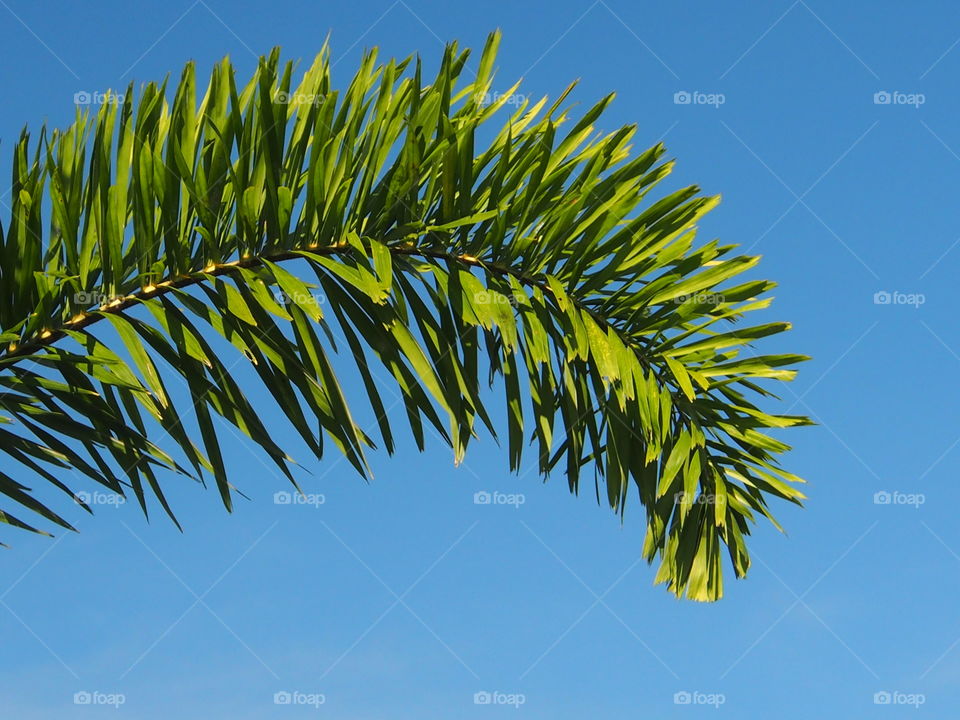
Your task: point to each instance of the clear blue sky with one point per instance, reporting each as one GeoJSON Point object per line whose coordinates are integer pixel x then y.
{"type": "Point", "coordinates": [402, 598]}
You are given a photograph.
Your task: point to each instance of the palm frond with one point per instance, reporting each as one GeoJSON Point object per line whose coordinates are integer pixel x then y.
{"type": "Point", "coordinates": [455, 236]}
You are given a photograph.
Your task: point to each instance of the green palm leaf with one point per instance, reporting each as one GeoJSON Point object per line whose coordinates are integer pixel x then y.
{"type": "Point", "coordinates": [451, 242]}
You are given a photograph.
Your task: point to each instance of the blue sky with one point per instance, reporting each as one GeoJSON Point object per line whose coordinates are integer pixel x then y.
{"type": "Point", "coordinates": [403, 598]}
